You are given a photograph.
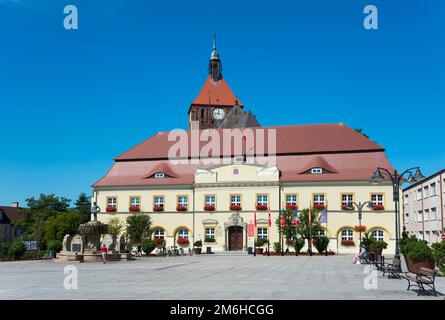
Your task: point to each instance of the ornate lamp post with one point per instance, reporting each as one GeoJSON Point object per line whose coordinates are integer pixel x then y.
{"type": "Point", "coordinates": [397, 180]}
{"type": "Point", "coordinates": [360, 207]}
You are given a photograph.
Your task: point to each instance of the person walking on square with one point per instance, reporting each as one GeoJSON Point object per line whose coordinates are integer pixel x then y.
{"type": "Point", "coordinates": [104, 252]}
{"type": "Point", "coordinates": [139, 250]}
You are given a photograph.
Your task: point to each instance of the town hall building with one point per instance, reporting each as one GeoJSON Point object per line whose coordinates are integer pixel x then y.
{"type": "Point", "coordinates": [319, 165]}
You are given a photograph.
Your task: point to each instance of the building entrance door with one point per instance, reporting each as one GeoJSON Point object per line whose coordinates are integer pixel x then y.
{"type": "Point", "coordinates": [235, 238]}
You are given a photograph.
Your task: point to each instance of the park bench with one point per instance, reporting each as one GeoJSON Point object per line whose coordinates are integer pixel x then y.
{"type": "Point", "coordinates": [425, 277]}
{"type": "Point", "coordinates": [394, 269]}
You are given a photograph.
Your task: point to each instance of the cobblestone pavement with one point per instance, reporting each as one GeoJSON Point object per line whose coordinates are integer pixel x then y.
{"type": "Point", "coordinates": [206, 277]}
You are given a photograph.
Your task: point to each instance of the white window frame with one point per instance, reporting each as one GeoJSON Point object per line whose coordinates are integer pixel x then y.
{"type": "Point", "coordinates": [210, 232]}
{"type": "Point", "coordinates": [210, 200]}
{"type": "Point", "coordinates": [347, 235]}
{"type": "Point", "coordinates": [262, 233]}
{"type": "Point", "coordinates": [291, 199]}
{"type": "Point", "coordinates": [316, 170]}
{"type": "Point", "coordinates": [318, 198]}
{"type": "Point", "coordinates": [433, 191]}
{"type": "Point", "coordinates": [377, 199]}
{"type": "Point", "coordinates": [235, 200]}
{"type": "Point", "coordinates": [347, 198]}
{"type": "Point", "coordinates": [183, 201]}
{"type": "Point", "coordinates": [158, 201]}
{"type": "Point", "coordinates": [134, 203]}
{"type": "Point", "coordinates": [159, 233]}
{"type": "Point", "coordinates": [378, 234]}
{"type": "Point", "coordinates": [159, 175]}
{"type": "Point", "coordinates": [111, 203]}
{"type": "Point", "coordinates": [262, 199]}
{"type": "Point", "coordinates": [183, 233]}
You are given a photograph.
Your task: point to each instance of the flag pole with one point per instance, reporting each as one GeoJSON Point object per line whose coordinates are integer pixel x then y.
{"type": "Point", "coordinates": [268, 232]}
{"type": "Point", "coordinates": [310, 230]}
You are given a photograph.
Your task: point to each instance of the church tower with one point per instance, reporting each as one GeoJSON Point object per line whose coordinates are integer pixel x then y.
{"type": "Point", "coordinates": [215, 100]}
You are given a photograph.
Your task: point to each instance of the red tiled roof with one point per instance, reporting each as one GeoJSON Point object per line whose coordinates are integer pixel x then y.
{"type": "Point", "coordinates": [12, 213]}
{"type": "Point", "coordinates": [162, 167]}
{"type": "Point", "coordinates": [302, 139]}
{"type": "Point", "coordinates": [336, 147]}
{"type": "Point", "coordinates": [216, 93]}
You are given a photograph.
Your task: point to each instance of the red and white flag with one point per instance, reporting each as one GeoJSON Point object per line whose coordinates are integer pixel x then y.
{"type": "Point", "coordinates": [254, 217]}
{"type": "Point", "coordinates": [270, 221]}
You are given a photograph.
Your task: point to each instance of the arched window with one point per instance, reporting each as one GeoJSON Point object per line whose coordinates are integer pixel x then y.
{"type": "Point", "coordinates": [378, 234]}
{"type": "Point", "coordinates": [183, 233]}
{"type": "Point", "coordinates": [158, 233]}
{"type": "Point", "coordinates": [320, 233]}
{"type": "Point", "coordinates": [347, 234]}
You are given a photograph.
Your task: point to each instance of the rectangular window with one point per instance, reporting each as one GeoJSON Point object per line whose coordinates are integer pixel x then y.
{"type": "Point", "coordinates": [158, 201]}
{"type": "Point", "coordinates": [316, 170]}
{"type": "Point", "coordinates": [262, 233]}
{"type": "Point", "coordinates": [377, 199]}
{"type": "Point", "coordinates": [419, 194]}
{"type": "Point", "coordinates": [346, 199]}
{"type": "Point", "coordinates": [112, 202]}
{"type": "Point", "coordinates": [210, 200]}
{"type": "Point", "coordinates": [210, 232]}
{"type": "Point", "coordinates": [159, 175]}
{"type": "Point", "coordinates": [433, 189]}
{"type": "Point", "coordinates": [318, 198]}
{"type": "Point", "coordinates": [182, 201]}
{"type": "Point", "coordinates": [425, 192]}
{"type": "Point", "coordinates": [235, 200]}
{"type": "Point", "coordinates": [419, 216]}
{"type": "Point", "coordinates": [291, 199]}
{"type": "Point", "coordinates": [262, 199]}
{"type": "Point", "coordinates": [135, 201]}
{"type": "Point", "coordinates": [433, 215]}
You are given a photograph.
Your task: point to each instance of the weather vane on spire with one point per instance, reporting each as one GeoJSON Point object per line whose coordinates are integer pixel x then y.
{"type": "Point", "coordinates": [215, 68]}
{"type": "Point", "coordinates": [214, 40]}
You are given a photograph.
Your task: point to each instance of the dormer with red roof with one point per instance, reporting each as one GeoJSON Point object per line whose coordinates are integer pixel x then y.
{"type": "Point", "coordinates": [215, 100]}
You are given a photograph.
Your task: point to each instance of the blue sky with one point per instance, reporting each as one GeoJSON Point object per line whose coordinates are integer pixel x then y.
{"type": "Point", "coordinates": [70, 101]}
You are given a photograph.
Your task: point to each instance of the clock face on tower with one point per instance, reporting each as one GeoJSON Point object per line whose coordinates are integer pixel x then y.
{"type": "Point", "coordinates": [218, 113]}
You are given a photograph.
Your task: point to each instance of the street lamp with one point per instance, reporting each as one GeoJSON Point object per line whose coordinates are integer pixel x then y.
{"type": "Point", "coordinates": [360, 207]}
{"type": "Point", "coordinates": [397, 180]}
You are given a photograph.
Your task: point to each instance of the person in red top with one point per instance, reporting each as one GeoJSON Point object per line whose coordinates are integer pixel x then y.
{"type": "Point", "coordinates": [104, 252]}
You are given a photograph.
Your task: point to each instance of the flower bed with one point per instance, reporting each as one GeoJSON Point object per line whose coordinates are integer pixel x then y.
{"type": "Point", "coordinates": [158, 241]}
{"type": "Point", "coordinates": [183, 241]}
{"type": "Point", "coordinates": [348, 243]}
{"type": "Point", "coordinates": [344, 206]}
{"type": "Point", "coordinates": [360, 228]}
{"type": "Point", "coordinates": [378, 207]}
{"type": "Point", "coordinates": [209, 208]}
{"type": "Point", "coordinates": [235, 207]}
{"type": "Point", "coordinates": [135, 209]}
{"type": "Point", "coordinates": [209, 239]}
{"type": "Point", "coordinates": [291, 206]}
{"type": "Point", "coordinates": [319, 206]}
{"type": "Point", "coordinates": [181, 208]}
{"type": "Point", "coordinates": [111, 209]}
{"type": "Point", "coordinates": [261, 207]}
{"type": "Point", "coordinates": [158, 208]}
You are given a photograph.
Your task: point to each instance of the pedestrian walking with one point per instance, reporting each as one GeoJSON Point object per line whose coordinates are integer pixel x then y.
{"type": "Point", "coordinates": [139, 250]}
{"type": "Point", "coordinates": [104, 252]}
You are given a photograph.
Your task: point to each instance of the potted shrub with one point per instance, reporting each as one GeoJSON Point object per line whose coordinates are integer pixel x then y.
{"type": "Point", "coordinates": [291, 206]}
{"type": "Point", "coordinates": [258, 245]}
{"type": "Point", "coordinates": [439, 255]}
{"type": "Point", "coordinates": [346, 206]}
{"type": "Point", "coordinates": [158, 208]}
{"type": "Point", "coordinates": [183, 241]}
{"type": "Point", "coordinates": [208, 207]}
{"type": "Point", "coordinates": [181, 208]}
{"type": "Point", "coordinates": [261, 207]}
{"type": "Point", "coordinates": [148, 245]}
{"type": "Point", "coordinates": [197, 247]}
{"type": "Point", "coordinates": [277, 247]}
{"type": "Point", "coordinates": [290, 242]}
{"type": "Point", "coordinates": [378, 247]}
{"type": "Point", "coordinates": [298, 245]}
{"type": "Point", "coordinates": [348, 243]}
{"type": "Point", "coordinates": [319, 206]}
{"type": "Point", "coordinates": [111, 209]}
{"type": "Point", "coordinates": [378, 207]}
{"type": "Point", "coordinates": [417, 254]}
{"type": "Point", "coordinates": [235, 207]}
{"type": "Point", "coordinates": [360, 228]}
{"type": "Point", "coordinates": [134, 209]}
{"type": "Point", "coordinates": [321, 243]}
{"type": "Point", "coordinates": [208, 239]}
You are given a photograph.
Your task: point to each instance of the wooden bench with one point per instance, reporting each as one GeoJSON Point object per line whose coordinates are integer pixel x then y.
{"type": "Point", "coordinates": [425, 277]}
{"type": "Point", "coordinates": [394, 269]}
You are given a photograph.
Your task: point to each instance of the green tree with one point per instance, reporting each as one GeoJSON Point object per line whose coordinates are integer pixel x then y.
{"type": "Point", "coordinates": [83, 206]}
{"type": "Point", "coordinates": [115, 227]}
{"type": "Point", "coordinates": [63, 223]}
{"type": "Point", "coordinates": [16, 249]}
{"type": "Point", "coordinates": [49, 201]}
{"type": "Point", "coordinates": [289, 228]}
{"type": "Point", "coordinates": [137, 227]}
{"type": "Point", "coordinates": [308, 230]}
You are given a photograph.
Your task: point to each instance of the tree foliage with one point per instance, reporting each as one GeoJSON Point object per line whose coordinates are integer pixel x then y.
{"type": "Point", "coordinates": [61, 224]}
{"type": "Point", "coordinates": [137, 227]}
{"type": "Point", "coordinates": [115, 227]}
{"type": "Point", "coordinates": [83, 206]}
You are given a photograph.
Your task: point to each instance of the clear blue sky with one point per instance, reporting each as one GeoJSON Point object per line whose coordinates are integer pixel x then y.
{"type": "Point", "coordinates": [70, 101]}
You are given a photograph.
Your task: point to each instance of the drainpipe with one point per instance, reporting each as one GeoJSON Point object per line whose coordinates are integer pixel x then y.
{"type": "Point", "coordinates": [193, 227]}
{"type": "Point", "coordinates": [423, 213]}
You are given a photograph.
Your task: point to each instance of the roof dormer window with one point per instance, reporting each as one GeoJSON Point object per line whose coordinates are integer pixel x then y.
{"type": "Point", "coordinates": [316, 170]}
{"type": "Point", "coordinates": [159, 175]}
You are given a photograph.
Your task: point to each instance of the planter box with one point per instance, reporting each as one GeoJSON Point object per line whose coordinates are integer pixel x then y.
{"type": "Point", "coordinates": [259, 250]}
{"type": "Point", "coordinates": [345, 207]}
{"type": "Point", "coordinates": [235, 208]}
{"type": "Point", "coordinates": [181, 208]}
{"type": "Point", "coordinates": [111, 209]}
{"type": "Point", "coordinates": [158, 208]}
{"type": "Point", "coordinates": [319, 206]}
{"type": "Point", "coordinates": [261, 207]}
{"type": "Point", "coordinates": [378, 207]}
{"type": "Point", "coordinates": [291, 206]}
{"type": "Point", "coordinates": [209, 208]}
{"type": "Point", "coordinates": [197, 250]}
{"type": "Point", "coordinates": [415, 266]}
{"type": "Point", "coordinates": [134, 209]}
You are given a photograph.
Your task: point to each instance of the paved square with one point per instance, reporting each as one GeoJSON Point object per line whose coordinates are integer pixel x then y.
{"type": "Point", "coordinates": [204, 277]}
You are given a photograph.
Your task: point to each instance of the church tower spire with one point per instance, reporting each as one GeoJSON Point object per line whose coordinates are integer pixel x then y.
{"type": "Point", "coordinates": [215, 66]}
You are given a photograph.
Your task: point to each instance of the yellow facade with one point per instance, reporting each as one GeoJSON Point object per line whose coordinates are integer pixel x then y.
{"type": "Point", "coordinates": [247, 182]}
